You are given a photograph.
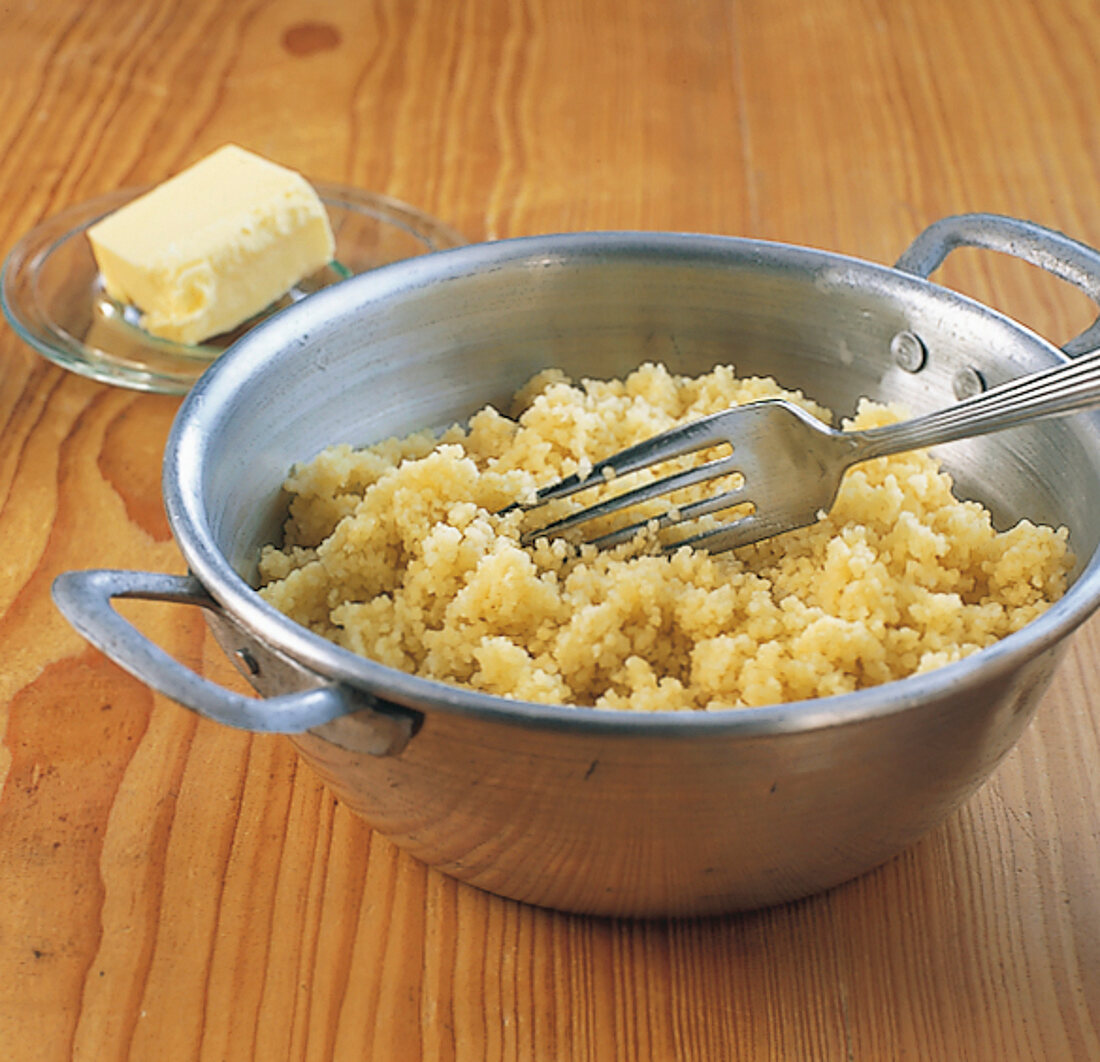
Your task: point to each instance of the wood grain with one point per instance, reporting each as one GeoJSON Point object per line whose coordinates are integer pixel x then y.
{"type": "Point", "coordinates": [170, 889]}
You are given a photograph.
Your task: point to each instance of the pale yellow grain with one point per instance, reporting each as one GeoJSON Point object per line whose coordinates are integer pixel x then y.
{"type": "Point", "coordinates": [398, 552]}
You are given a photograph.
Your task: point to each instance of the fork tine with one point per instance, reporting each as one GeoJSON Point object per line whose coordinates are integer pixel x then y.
{"type": "Point", "coordinates": [675, 442]}
{"type": "Point", "coordinates": [741, 532]}
{"type": "Point", "coordinates": [646, 492]}
{"type": "Point", "coordinates": [688, 512]}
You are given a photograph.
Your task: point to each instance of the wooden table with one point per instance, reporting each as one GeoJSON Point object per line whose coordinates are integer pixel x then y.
{"type": "Point", "coordinates": [171, 889]}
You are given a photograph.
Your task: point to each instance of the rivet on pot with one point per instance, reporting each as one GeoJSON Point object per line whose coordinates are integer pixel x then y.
{"type": "Point", "coordinates": [909, 351]}
{"type": "Point", "coordinates": [967, 383]}
{"type": "Point", "coordinates": [247, 662]}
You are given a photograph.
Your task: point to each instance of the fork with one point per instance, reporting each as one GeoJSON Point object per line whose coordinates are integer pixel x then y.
{"type": "Point", "coordinates": [791, 464]}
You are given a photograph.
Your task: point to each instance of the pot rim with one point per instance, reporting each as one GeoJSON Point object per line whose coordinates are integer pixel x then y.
{"type": "Point", "coordinates": [252, 354]}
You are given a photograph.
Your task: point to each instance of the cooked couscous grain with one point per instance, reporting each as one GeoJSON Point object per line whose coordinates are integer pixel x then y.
{"type": "Point", "coordinates": [396, 552]}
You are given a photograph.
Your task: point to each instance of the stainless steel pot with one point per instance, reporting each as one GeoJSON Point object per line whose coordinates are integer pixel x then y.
{"type": "Point", "coordinates": [595, 810]}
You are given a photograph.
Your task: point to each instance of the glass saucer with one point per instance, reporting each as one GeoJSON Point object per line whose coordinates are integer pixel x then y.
{"type": "Point", "coordinates": [53, 296]}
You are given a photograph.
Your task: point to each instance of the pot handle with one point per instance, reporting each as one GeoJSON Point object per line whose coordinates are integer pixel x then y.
{"type": "Point", "coordinates": [1066, 258]}
{"type": "Point", "coordinates": [84, 598]}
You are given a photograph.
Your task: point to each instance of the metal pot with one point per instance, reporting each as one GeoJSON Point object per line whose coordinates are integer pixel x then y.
{"type": "Point", "coordinates": [596, 810]}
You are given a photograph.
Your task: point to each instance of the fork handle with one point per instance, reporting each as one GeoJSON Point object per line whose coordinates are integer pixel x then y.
{"type": "Point", "coordinates": [1047, 393]}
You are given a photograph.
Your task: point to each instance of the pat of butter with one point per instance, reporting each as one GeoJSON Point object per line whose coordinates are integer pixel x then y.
{"type": "Point", "coordinates": [214, 245]}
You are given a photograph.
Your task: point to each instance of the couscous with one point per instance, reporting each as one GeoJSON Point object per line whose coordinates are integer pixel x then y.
{"type": "Point", "coordinates": [399, 552]}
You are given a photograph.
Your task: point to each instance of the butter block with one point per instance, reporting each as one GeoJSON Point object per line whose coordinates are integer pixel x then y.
{"type": "Point", "coordinates": [214, 245]}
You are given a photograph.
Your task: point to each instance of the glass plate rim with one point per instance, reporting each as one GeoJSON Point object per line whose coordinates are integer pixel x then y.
{"type": "Point", "coordinates": [34, 247]}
